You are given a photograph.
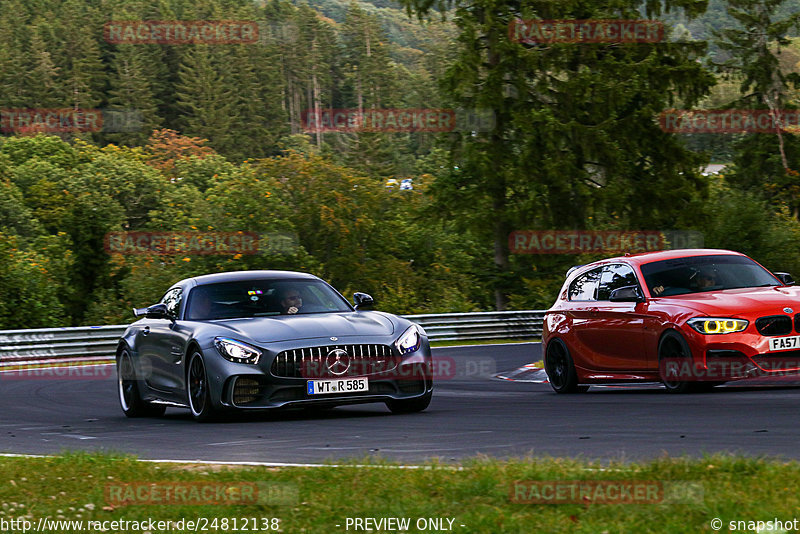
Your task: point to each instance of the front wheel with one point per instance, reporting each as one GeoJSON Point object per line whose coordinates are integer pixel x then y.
{"type": "Point", "coordinates": [675, 365]}
{"type": "Point", "coordinates": [198, 390]}
{"type": "Point", "coordinates": [130, 399]}
{"type": "Point", "coordinates": [561, 369]}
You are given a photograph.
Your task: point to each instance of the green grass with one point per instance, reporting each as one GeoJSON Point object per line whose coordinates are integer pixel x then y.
{"type": "Point", "coordinates": [482, 342]}
{"type": "Point", "coordinates": [475, 494]}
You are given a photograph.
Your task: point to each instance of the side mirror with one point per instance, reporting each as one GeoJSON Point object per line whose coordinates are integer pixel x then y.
{"type": "Point", "coordinates": [156, 311]}
{"type": "Point", "coordinates": [362, 300]}
{"type": "Point", "coordinates": [785, 278]}
{"type": "Point", "coordinates": [626, 294]}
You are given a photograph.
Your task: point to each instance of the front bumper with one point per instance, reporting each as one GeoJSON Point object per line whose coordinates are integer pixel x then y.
{"type": "Point", "coordinates": [255, 387]}
{"type": "Point", "coordinates": [738, 356]}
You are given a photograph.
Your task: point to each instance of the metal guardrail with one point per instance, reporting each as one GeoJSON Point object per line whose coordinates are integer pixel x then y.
{"type": "Point", "coordinates": [481, 325]}
{"type": "Point", "coordinates": [82, 343]}
{"type": "Point", "coordinates": [94, 343]}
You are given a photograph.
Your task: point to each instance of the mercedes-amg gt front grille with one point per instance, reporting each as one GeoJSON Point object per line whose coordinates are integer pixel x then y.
{"type": "Point", "coordinates": [334, 361]}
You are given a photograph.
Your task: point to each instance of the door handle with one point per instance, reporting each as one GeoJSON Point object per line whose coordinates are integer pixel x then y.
{"type": "Point", "coordinates": [593, 311]}
{"type": "Point", "coordinates": [146, 330]}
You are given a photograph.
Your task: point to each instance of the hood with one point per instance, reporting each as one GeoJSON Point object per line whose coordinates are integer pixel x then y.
{"type": "Point", "coordinates": [288, 327]}
{"type": "Point", "coordinates": [746, 301]}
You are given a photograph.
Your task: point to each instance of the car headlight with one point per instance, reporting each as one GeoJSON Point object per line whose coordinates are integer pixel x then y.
{"type": "Point", "coordinates": [717, 325]}
{"type": "Point", "coordinates": [410, 340]}
{"type": "Point", "coordinates": [236, 351]}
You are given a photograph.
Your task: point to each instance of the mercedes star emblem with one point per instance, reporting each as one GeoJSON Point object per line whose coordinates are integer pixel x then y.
{"type": "Point", "coordinates": [337, 361]}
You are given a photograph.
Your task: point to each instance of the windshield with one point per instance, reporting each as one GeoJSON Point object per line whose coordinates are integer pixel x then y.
{"type": "Point", "coordinates": [257, 298]}
{"type": "Point", "coordinates": [698, 274]}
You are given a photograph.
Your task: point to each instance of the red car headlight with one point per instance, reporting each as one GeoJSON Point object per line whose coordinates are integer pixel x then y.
{"type": "Point", "coordinates": [717, 325]}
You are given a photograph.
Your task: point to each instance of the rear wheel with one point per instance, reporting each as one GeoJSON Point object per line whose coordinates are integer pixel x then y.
{"type": "Point", "coordinates": [130, 399]}
{"type": "Point", "coordinates": [561, 369]}
{"type": "Point", "coordinates": [198, 390]}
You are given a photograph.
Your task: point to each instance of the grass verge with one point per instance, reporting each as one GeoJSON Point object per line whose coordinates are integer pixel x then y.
{"type": "Point", "coordinates": [477, 494]}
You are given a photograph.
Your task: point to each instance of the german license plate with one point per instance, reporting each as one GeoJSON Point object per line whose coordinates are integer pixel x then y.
{"type": "Point", "coordinates": [784, 343]}
{"type": "Point", "coordinates": [343, 385]}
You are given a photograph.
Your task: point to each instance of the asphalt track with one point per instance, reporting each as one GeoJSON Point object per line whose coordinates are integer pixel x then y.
{"type": "Point", "coordinates": [472, 413]}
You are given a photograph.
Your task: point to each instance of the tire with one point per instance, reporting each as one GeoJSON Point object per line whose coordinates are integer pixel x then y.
{"type": "Point", "coordinates": [410, 405]}
{"type": "Point", "coordinates": [673, 348]}
{"type": "Point", "coordinates": [560, 369]}
{"type": "Point", "coordinates": [197, 390]}
{"type": "Point", "coordinates": [130, 399]}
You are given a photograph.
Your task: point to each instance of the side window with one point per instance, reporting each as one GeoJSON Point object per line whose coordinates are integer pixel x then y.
{"type": "Point", "coordinates": [585, 286]}
{"type": "Point", "coordinates": [173, 300]}
{"type": "Point", "coordinates": [614, 277]}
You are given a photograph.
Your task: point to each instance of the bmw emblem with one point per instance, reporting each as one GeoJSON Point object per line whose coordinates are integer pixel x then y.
{"type": "Point", "coordinates": [337, 339]}
{"type": "Point", "coordinates": [788, 310]}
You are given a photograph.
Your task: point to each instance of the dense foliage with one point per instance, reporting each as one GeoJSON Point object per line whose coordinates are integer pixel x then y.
{"type": "Point", "coordinates": [574, 144]}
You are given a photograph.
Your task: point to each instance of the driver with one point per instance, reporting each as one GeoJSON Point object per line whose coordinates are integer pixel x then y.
{"type": "Point", "coordinates": [704, 279]}
{"type": "Point", "coordinates": [291, 301]}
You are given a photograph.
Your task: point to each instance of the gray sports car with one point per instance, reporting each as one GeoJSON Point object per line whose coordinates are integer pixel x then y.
{"type": "Point", "coordinates": [256, 340]}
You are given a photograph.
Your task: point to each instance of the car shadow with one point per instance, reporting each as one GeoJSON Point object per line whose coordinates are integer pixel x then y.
{"type": "Point", "coordinates": [654, 389]}
{"type": "Point", "coordinates": [294, 414]}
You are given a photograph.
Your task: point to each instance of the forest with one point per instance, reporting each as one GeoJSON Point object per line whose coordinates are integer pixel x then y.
{"type": "Point", "coordinates": [215, 139]}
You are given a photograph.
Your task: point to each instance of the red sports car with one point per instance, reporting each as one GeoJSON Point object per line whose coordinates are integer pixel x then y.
{"type": "Point", "coordinates": [691, 319]}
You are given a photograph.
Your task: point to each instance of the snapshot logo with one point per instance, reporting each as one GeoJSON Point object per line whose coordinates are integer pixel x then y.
{"type": "Point", "coordinates": [200, 493]}
{"type": "Point", "coordinates": [396, 120]}
{"type": "Point", "coordinates": [66, 120]}
{"type": "Point", "coordinates": [535, 31]}
{"type": "Point", "coordinates": [181, 32]}
{"type": "Point", "coordinates": [689, 121]}
{"type": "Point", "coordinates": [604, 492]}
{"type": "Point", "coordinates": [605, 241]}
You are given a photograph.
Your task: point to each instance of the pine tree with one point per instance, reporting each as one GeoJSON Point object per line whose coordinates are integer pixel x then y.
{"type": "Point", "coordinates": [13, 55]}
{"type": "Point", "coordinates": [43, 74]}
{"type": "Point", "coordinates": [206, 97]}
{"type": "Point", "coordinates": [131, 95]}
{"type": "Point", "coordinates": [80, 60]}
{"type": "Point", "coordinates": [762, 161]}
{"type": "Point", "coordinates": [573, 133]}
